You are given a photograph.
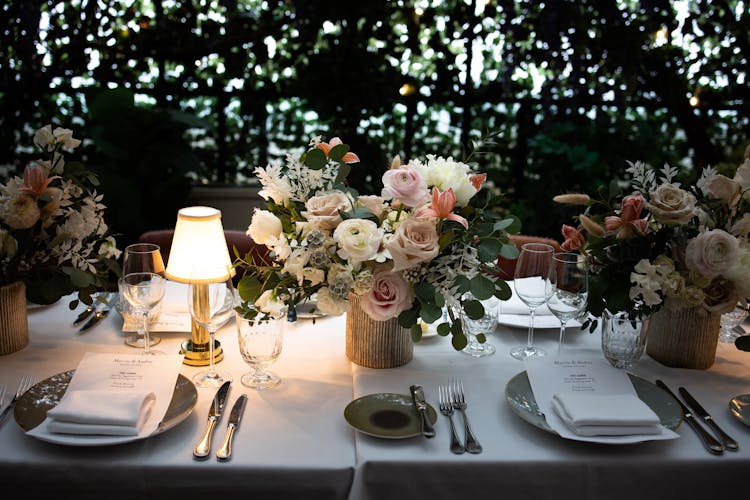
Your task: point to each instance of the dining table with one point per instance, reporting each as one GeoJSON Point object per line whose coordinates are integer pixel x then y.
{"type": "Point", "coordinates": [295, 442]}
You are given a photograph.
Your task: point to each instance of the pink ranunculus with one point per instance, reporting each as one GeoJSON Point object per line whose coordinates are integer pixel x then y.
{"type": "Point", "coordinates": [407, 185]}
{"type": "Point", "coordinates": [574, 239]}
{"type": "Point", "coordinates": [389, 296]}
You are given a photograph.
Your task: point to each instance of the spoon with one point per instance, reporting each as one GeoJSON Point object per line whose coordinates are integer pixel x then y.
{"type": "Point", "coordinates": [740, 408]}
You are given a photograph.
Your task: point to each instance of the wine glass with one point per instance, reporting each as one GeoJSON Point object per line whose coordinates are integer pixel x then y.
{"type": "Point", "coordinates": [483, 325]}
{"type": "Point", "coordinates": [570, 289]}
{"type": "Point", "coordinates": [142, 258]}
{"type": "Point", "coordinates": [144, 291]}
{"type": "Point", "coordinates": [260, 341]}
{"type": "Point", "coordinates": [211, 305]}
{"type": "Point", "coordinates": [531, 282]}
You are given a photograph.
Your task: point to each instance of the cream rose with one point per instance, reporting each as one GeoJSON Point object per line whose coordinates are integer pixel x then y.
{"type": "Point", "coordinates": [323, 209]}
{"type": "Point", "coordinates": [415, 241]}
{"type": "Point", "coordinates": [711, 253]}
{"type": "Point", "coordinates": [264, 227]}
{"type": "Point", "coordinates": [671, 205]}
{"type": "Point", "coordinates": [358, 239]}
{"type": "Point", "coordinates": [389, 296]}
{"type": "Point", "coordinates": [723, 188]}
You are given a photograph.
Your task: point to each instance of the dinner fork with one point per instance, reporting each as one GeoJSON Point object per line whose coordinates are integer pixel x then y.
{"type": "Point", "coordinates": [24, 385]}
{"type": "Point", "coordinates": [459, 403]}
{"type": "Point", "coordinates": [446, 408]}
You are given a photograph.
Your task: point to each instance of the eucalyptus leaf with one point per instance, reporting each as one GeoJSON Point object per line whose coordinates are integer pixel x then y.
{"type": "Point", "coordinates": [462, 283]}
{"type": "Point", "coordinates": [488, 249]}
{"type": "Point", "coordinates": [315, 159]}
{"type": "Point", "coordinates": [338, 151]}
{"type": "Point", "coordinates": [444, 329]}
{"type": "Point", "coordinates": [409, 317]}
{"type": "Point", "coordinates": [473, 309]}
{"type": "Point", "coordinates": [249, 288]}
{"type": "Point", "coordinates": [431, 313]}
{"type": "Point", "coordinates": [459, 341]}
{"type": "Point", "coordinates": [482, 287]}
{"type": "Point", "coordinates": [416, 333]}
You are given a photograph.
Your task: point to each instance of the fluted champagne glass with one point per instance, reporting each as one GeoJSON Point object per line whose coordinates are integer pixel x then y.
{"type": "Point", "coordinates": [141, 258]}
{"type": "Point", "coordinates": [531, 283]}
{"type": "Point", "coordinates": [570, 289]}
{"type": "Point", "coordinates": [144, 291]}
{"type": "Point", "coordinates": [211, 305]}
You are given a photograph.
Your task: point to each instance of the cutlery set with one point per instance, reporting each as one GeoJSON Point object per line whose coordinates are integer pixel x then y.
{"type": "Point", "coordinates": [450, 397]}
{"type": "Point", "coordinates": [694, 413]}
{"type": "Point", "coordinates": [203, 448]}
{"type": "Point", "coordinates": [95, 312]}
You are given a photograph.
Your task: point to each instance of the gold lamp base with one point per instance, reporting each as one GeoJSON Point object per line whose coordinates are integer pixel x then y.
{"type": "Point", "coordinates": [198, 355]}
{"type": "Point", "coordinates": [197, 350]}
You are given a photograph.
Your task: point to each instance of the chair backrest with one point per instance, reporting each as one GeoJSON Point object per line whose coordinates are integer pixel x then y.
{"type": "Point", "coordinates": [234, 237]}
{"type": "Point", "coordinates": [508, 266]}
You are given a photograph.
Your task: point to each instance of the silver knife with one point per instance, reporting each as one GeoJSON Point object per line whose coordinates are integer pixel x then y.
{"type": "Point", "coordinates": [711, 444]}
{"type": "Point", "coordinates": [729, 443]}
{"type": "Point", "coordinates": [99, 315]}
{"type": "Point", "coordinates": [225, 450]}
{"type": "Point", "coordinates": [84, 314]}
{"type": "Point", "coordinates": [203, 448]}
{"type": "Point", "coordinates": [106, 302]}
{"type": "Point", "coordinates": [417, 395]}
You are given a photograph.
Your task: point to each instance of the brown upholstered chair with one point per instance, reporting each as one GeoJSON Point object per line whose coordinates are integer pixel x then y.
{"type": "Point", "coordinates": [508, 266]}
{"type": "Point", "coordinates": [235, 238]}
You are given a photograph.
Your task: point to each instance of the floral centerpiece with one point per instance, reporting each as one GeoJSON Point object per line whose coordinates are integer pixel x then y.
{"type": "Point", "coordinates": [429, 237]}
{"type": "Point", "coordinates": [666, 245]}
{"type": "Point", "coordinates": [53, 236]}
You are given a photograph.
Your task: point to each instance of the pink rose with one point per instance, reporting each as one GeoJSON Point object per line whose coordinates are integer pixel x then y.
{"type": "Point", "coordinates": [389, 296]}
{"type": "Point", "coordinates": [323, 209]}
{"type": "Point", "coordinates": [629, 218]}
{"type": "Point", "coordinates": [407, 185]}
{"type": "Point", "coordinates": [415, 241]}
{"type": "Point", "coordinates": [711, 253]}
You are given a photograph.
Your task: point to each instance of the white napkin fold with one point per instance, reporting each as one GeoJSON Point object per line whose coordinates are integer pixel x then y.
{"type": "Point", "coordinates": [605, 414]}
{"type": "Point", "coordinates": [515, 305]}
{"type": "Point", "coordinates": [101, 412]}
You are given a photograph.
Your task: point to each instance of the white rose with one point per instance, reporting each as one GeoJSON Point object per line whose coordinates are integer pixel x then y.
{"type": "Point", "coordinates": [358, 239]}
{"type": "Point", "coordinates": [268, 304]}
{"type": "Point", "coordinates": [264, 226]}
{"type": "Point", "coordinates": [323, 209]}
{"type": "Point", "coordinates": [711, 252]}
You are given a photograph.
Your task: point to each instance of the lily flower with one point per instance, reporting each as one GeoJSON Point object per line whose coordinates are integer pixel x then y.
{"type": "Point", "coordinates": [326, 147]}
{"type": "Point", "coordinates": [442, 207]}
{"type": "Point", "coordinates": [477, 180]}
{"type": "Point", "coordinates": [35, 180]}
{"type": "Point", "coordinates": [629, 218]}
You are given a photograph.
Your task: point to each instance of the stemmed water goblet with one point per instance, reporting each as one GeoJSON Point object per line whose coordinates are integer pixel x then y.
{"type": "Point", "coordinates": [531, 283]}
{"type": "Point", "coordinates": [730, 321]}
{"type": "Point", "coordinates": [570, 289]}
{"type": "Point", "coordinates": [260, 340]}
{"type": "Point", "coordinates": [211, 305]}
{"type": "Point", "coordinates": [483, 326]}
{"type": "Point", "coordinates": [141, 258]}
{"type": "Point", "coordinates": [144, 291]}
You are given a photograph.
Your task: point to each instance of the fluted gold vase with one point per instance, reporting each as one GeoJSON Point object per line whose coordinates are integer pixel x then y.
{"type": "Point", "coordinates": [684, 337]}
{"type": "Point", "coordinates": [14, 327]}
{"type": "Point", "coordinates": [376, 344]}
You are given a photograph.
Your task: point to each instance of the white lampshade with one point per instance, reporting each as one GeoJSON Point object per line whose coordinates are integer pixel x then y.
{"type": "Point", "coordinates": [199, 251]}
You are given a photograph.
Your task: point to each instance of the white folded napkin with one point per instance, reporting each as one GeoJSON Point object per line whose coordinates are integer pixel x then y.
{"type": "Point", "coordinates": [605, 414]}
{"type": "Point", "coordinates": [515, 305]}
{"type": "Point", "coordinates": [101, 412]}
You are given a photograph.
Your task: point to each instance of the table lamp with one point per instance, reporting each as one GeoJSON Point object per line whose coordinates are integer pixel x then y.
{"type": "Point", "coordinates": [199, 239]}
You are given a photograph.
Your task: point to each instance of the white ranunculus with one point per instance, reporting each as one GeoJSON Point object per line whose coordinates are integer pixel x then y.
{"type": "Point", "coordinates": [358, 239]}
{"type": "Point", "coordinates": [445, 173]}
{"type": "Point", "coordinates": [263, 226]}
{"type": "Point", "coordinates": [711, 252]}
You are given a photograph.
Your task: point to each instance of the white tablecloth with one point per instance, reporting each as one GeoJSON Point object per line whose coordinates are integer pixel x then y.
{"type": "Point", "coordinates": [295, 443]}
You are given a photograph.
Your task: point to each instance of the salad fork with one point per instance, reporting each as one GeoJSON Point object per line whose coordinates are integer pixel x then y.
{"type": "Point", "coordinates": [26, 382]}
{"type": "Point", "coordinates": [459, 403]}
{"type": "Point", "coordinates": [446, 408]}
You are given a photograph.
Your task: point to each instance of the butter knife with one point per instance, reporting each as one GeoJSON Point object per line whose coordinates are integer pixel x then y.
{"type": "Point", "coordinates": [729, 443]}
{"type": "Point", "coordinates": [711, 444]}
{"type": "Point", "coordinates": [225, 450]}
{"type": "Point", "coordinates": [417, 395]}
{"type": "Point", "coordinates": [203, 448]}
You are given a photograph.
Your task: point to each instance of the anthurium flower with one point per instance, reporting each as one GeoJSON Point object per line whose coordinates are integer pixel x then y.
{"type": "Point", "coordinates": [442, 207]}
{"type": "Point", "coordinates": [326, 147]}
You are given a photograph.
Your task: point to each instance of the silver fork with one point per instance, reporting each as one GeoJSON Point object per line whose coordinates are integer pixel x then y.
{"type": "Point", "coordinates": [24, 385]}
{"type": "Point", "coordinates": [446, 408]}
{"type": "Point", "coordinates": [459, 403]}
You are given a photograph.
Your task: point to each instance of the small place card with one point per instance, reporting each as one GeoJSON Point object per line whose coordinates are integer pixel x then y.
{"type": "Point", "coordinates": [576, 374]}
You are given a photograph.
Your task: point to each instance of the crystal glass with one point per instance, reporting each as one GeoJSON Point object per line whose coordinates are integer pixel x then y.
{"type": "Point", "coordinates": [623, 338]}
{"type": "Point", "coordinates": [144, 291]}
{"type": "Point", "coordinates": [729, 323]}
{"type": "Point", "coordinates": [570, 289]}
{"type": "Point", "coordinates": [260, 340]}
{"type": "Point", "coordinates": [531, 283]}
{"type": "Point", "coordinates": [141, 258]}
{"type": "Point", "coordinates": [482, 326]}
{"type": "Point", "coordinates": [211, 306]}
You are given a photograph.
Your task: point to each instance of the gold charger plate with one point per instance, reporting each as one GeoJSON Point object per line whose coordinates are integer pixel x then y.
{"type": "Point", "coordinates": [31, 409]}
{"type": "Point", "coordinates": [520, 397]}
{"type": "Point", "coordinates": [386, 415]}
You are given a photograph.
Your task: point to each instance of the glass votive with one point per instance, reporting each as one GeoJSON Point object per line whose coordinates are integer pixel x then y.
{"type": "Point", "coordinates": [729, 323]}
{"type": "Point", "coordinates": [623, 338]}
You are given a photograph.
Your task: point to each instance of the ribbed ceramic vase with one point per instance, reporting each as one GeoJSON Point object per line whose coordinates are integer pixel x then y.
{"type": "Point", "coordinates": [684, 337]}
{"type": "Point", "coordinates": [375, 344]}
{"type": "Point", "coordinates": [14, 327]}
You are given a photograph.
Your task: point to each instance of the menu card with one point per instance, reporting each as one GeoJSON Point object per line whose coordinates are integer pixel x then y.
{"type": "Point", "coordinates": [173, 313]}
{"type": "Point", "coordinates": [573, 374]}
{"type": "Point", "coordinates": [121, 373]}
